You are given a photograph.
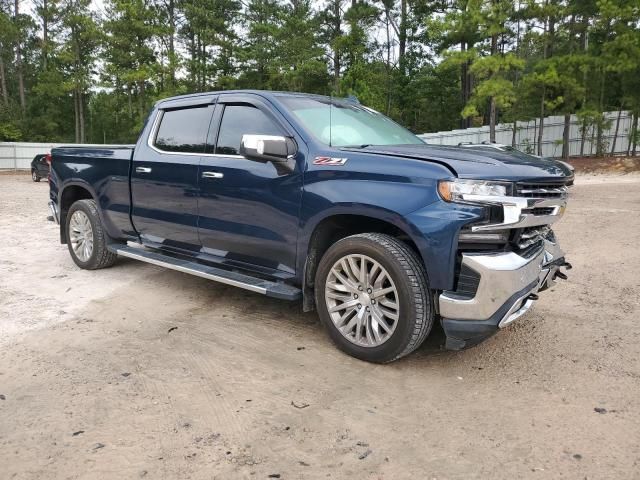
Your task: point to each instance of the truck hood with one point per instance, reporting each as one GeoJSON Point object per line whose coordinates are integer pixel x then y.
{"type": "Point", "coordinates": [481, 164]}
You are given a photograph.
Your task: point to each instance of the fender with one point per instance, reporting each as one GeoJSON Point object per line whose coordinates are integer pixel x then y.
{"type": "Point", "coordinates": [74, 182]}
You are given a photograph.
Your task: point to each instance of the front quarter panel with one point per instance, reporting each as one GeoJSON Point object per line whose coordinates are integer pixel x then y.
{"type": "Point", "coordinates": [402, 192]}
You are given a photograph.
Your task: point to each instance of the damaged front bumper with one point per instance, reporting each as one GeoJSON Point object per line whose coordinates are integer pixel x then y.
{"type": "Point", "coordinates": [507, 287]}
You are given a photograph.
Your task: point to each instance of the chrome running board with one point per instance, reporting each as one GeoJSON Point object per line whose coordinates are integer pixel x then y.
{"type": "Point", "coordinates": [235, 279]}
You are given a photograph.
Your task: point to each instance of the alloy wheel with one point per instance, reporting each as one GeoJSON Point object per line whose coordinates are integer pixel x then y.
{"type": "Point", "coordinates": [81, 235]}
{"type": "Point", "coordinates": [362, 300]}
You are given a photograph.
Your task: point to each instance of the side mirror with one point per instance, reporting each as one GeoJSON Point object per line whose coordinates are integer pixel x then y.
{"type": "Point", "coordinates": [267, 148]}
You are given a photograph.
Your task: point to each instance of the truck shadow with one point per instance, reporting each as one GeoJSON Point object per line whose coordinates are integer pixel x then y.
{"type": "Point", "coordinates": [248, 308]}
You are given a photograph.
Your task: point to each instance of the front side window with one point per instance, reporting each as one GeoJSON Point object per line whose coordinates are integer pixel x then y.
{"type": "Point", "coordinates": [183, 130]}
{"type": "Point", "coordinates": [344, 124]}
{"type": "Point", "coordinates": [239, 120]}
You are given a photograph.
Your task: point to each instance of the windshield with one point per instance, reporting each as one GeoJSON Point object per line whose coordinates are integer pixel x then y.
{"type": "Point", "coordinates": [343, 124]}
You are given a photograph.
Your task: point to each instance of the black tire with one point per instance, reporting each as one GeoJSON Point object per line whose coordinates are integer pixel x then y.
{"type": "Point", "coordinates": [100, 256]}
{"type": "Point", "coordinates": [416, 314]}
{"type": "Point", "coordinates": [34, 176]}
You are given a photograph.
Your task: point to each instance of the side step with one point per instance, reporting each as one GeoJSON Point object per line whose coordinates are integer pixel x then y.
{"type": "Point", "coordinates": [258, 285]}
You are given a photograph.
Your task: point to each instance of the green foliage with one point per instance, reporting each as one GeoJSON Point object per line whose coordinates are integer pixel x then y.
{"type": "Point", "coordinates": [429, 65]}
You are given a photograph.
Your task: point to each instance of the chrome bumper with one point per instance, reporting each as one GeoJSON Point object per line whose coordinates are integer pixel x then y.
{"type": "Point", "coordinates": [507, 287]}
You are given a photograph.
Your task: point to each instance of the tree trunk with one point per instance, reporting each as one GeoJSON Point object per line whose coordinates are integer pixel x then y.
{"type": "Point", "coordinates": [492, 120]}
{"type": "Point", "coordinates": [615, 134]}
{"type": "Point", "coordinates": [130, 101]}
{"type": "Point", "coordinates": [203, 63]}
{"type": "Point", "coordinates": [513, 133]}
{"type": "Point", "coordinates": [45, 34]}
{"type": "Point", "coordinates": [23, 103]}
{"type": "Point", "coordinates": [599, 144]}
{"type": "Point", "coordinates": [172, 30]}
{"type": "Point", "coordinates": [3, 83]}
{"type": "Point", "coordinates": [634, 130]}
{"type": "Point", "coordinates": [337, 25]}
{"type": "Point", "coordinates": [388, 63]}
{"type": "Point", "coordinates": [141, 102]}
{"type": "Point", "coordinates": [402, 37]}
{"type": "Point", "coordinates": [83, 137]}
{"type": "Point", "coordinates": [76, 112]}
{"type": "Point", "coordinates": [630, 140]}
{"type": "Point", "coordinates": [583, 136]}
{"type": "Point", "coordinates": [541, 128]}
{"type": "Point", "coordinates": [463, 85]}
{"type": "Point", "coordinates": [566, 136]}
{"type": "Point", "coordinates": [492, 100]}
{"type": "Point", "coordinates": [192, 49]}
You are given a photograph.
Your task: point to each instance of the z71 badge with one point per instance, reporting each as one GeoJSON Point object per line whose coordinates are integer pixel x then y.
{"type": "Point", "coordinates": [331, 161]}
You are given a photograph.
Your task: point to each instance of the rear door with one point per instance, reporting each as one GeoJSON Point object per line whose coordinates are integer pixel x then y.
{"type": "Point", "coordinates": [248, 211]}
{"type": "Point", "coordinates": [164, 177]}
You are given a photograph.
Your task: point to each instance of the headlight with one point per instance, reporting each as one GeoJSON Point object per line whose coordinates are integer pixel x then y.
{"type": "Point", "coordinates": [455, 190]}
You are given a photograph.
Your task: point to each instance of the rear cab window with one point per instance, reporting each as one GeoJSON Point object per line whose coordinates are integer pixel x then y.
{"type": "Point", "coordinates": [183, 130]}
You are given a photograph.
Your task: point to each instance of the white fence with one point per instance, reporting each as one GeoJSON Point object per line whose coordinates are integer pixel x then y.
{"type": "Point", "coordinates": [18, 155]}
{"type": "Point", "coordinates": [527, 135]}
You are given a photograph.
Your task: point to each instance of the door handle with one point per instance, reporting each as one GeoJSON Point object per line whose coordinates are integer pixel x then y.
{"type": "Point", "coordinates": [143, 170]}
{"type": "Point", "coordinates": [212, 175]}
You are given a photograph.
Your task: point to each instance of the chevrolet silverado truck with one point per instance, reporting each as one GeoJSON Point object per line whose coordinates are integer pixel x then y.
{"type": "Point", "coordinates": [311, 198]}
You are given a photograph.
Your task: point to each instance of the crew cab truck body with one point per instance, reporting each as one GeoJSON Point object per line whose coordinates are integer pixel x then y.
{"type": "Point", "coordinates": [304, 197]}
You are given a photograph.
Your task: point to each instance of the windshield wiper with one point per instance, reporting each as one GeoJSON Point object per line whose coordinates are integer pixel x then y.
{"type": "Point", "coordinates": [365, 145]}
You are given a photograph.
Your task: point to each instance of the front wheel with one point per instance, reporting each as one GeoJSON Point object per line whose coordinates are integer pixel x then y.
{"type": "Point", "coordinates": [372, 295]}
{"type": "Point", "coordinates": [34, 176]}
{"type": "Point", "coordinates": [86, 238]}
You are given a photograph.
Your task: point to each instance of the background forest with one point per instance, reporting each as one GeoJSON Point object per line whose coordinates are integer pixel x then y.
{"type": "Point", "coordinates": [74, 70]}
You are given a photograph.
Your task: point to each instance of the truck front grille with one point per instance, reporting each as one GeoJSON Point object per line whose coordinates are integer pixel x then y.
{"type": "Point", "coordinates": [541, 190]}
{"type": "Point", "coordinates": [539, 211]}
{"type": "Point", "coordinates": [529, 240]}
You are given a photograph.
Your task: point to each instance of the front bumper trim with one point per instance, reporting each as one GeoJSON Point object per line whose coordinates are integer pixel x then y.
{"type": "Point", "coordinates": [506, 291]}
{"type": "Point", "coordinates": [519, 308]}
{"type": "Point", "coordinates": [501, 274]}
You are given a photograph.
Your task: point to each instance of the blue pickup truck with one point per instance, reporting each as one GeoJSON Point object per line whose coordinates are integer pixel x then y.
{"type": "Point", "coordinates": [311, 198]}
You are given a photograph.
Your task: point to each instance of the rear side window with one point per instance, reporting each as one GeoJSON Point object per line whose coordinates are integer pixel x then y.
{"type": "Point", "coordinates": [238, 120]}
{"type": "Point", "coordinates": [183, 130]}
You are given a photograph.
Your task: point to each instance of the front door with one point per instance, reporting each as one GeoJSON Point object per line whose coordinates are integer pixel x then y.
{"type": "Point", "coordinates": [164, 180]}
{"type": "Point", "coordinates": [248, 211]}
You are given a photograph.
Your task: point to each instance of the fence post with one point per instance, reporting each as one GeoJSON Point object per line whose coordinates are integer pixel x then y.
{"type": "Point", "coordinates": [15, 157]}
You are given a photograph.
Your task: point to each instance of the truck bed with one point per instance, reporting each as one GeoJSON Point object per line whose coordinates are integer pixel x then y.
{"type": "Point", "coordinates": [101, 169]}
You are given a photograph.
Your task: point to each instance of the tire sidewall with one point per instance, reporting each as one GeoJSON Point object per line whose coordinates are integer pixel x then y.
{"type": "Point", "coordinates": [34, 176]}
{"type": "Point", "coordinates": [404, 330]}
{"type": "Point", "coordinates": [81, 205]}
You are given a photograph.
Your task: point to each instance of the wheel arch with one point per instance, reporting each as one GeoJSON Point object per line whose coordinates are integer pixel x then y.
{"type": "Point", "coordinates": [71, 193]}
{"type": "Point", "coordinates": [337, 225]}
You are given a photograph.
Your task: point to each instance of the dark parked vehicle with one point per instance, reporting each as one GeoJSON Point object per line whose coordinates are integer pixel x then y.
{"type": "Point", "coordinates": [40, 166]}
{"type": "Point", "coordinates": [299, 196]}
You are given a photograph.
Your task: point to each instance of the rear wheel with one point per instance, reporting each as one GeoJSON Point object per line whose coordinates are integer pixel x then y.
{"type": "Point", "coordinates": [86, 238]}
{"type": "Point", "coordinates": [34, 176]}
{"type": "Point", "coordinates": [372, 296]}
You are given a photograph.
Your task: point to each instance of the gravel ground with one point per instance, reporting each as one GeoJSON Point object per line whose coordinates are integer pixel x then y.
{"type": "Point", "coordinates": [136, 371]}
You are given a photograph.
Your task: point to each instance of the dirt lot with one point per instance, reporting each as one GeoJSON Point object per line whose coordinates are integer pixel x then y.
{"type": "Point", "coordinates": [136, 371]}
